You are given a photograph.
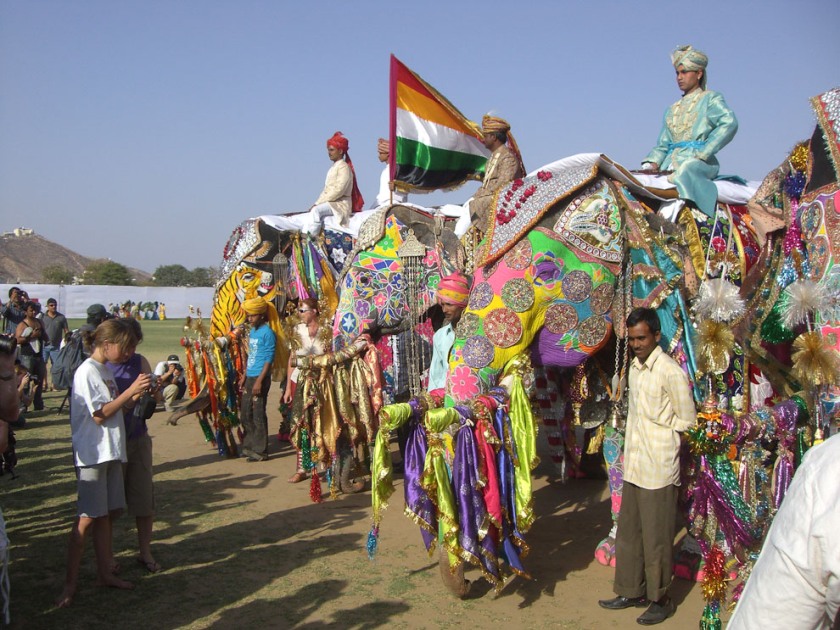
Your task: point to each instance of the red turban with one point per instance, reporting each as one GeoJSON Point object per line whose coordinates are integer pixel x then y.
{"type": "Point", "coordinates": [339, 142]}
{"type": "Point", "coordinates": [454, 289]}
{"type": "Point", "coordinates": [343, 144]}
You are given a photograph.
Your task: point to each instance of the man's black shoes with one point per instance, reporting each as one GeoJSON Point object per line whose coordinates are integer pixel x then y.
{"type": "Point", "coordinates": [657, 612]}
{"type": "Point", "coordinates": [621, 602]}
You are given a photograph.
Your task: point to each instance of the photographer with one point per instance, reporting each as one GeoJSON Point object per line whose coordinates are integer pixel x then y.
{"type": "Point", "coordinates": [171, 381]}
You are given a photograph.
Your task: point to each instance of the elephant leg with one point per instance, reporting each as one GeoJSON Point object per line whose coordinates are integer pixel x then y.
{"type": "Point", "coordinates": [346, 483]}
{"type": "Point", "coordinates": [453, 580]}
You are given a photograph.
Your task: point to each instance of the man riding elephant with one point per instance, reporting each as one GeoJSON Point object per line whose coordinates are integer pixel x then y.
{"type": "Point", "coordinates": [502, 168]}
{"type": "Point", "coordinates": [694, 129]}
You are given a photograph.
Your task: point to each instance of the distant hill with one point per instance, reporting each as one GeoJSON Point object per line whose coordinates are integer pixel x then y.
{"type": "Point", "coordinates": [24, 254]}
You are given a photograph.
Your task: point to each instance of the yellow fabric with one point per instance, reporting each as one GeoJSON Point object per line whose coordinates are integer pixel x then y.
{"type": "Point", "coordinates": [524, 430]}
{"type": "Point", "coordinates": [255, 306]}
{"type": "Point", "coordinates": [391, 418]}
{"type": "Point", "coordinates": [436, 480]}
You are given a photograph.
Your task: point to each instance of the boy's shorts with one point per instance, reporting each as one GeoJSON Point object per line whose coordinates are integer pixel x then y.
{"type": "Point", "coordinates": [100, 489]}
{"type": "Point", "coordinates": [139, 489]}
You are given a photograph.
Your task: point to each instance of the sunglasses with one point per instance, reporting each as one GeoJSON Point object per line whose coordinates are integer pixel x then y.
{"type": "Point", "coordinates": [304, 310]}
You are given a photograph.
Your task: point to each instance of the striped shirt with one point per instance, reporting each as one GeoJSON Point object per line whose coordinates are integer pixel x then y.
{"type": "Point", "coordinates": [661, 406]}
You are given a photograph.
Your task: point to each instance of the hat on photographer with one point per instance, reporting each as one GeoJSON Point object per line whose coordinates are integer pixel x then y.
{"type": "Point", "coordinates": [173, 359]}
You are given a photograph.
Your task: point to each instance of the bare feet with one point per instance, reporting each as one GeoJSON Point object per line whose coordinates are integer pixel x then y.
{"type": "Point", "coordinates": [112, 581]}
{"type": "Point", "coordinates": [151, 566]}
{"type": "Point", "coordinates": [66, 597]}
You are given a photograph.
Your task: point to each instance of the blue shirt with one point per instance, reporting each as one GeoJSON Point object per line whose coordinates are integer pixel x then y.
{"type": "Point", "coordinates": [442, 344]}
{"type": "Point", "coordinates": [261, 344]}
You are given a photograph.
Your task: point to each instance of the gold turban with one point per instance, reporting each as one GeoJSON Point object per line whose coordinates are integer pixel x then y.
{"type": "Point", "coordinates": [492, 124]}
{"type": "Point", "coordinates": [255, 306]}
{"type": "Point", "coordinates": [692, 60]}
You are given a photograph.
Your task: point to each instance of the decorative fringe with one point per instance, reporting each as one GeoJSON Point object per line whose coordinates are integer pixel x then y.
{"type": "Point", "coordinates": [205, 428]}
{"type": "Point", "coordinates": [801, 299]}
{"type": "Point", "coordinates": [814, 361]}
{"type": "Point", "coordinates": [372, 541]}
{"type": "Point", "coordinates": [221, 443]}
{"type": "Point", "coordinates": [716, 342]}
{"type": "Point", "coordinates": [719, 300]}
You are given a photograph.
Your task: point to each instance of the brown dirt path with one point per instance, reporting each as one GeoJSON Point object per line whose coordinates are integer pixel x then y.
{"type": "Point", "coordinates": [312, 556]}
{"type": "Point", "coordinates": [241, 547]}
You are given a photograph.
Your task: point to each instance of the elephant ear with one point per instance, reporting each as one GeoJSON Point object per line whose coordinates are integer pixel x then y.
{"type": "Point", "coordinates": [370, 232]}
{"type": "Point", "coordinates": [521, 204]}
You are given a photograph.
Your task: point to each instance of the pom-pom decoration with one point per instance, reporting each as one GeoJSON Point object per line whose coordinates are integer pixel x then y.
{"type": "Point", "coordinates": [720, 300]}
{"type": "Point", "coordinates": [814, 361]}
{"type": "Point", "coordinates": [800, 300]}
{"type": "Point", "coordinates": [799, 157]}
{"type": "Point", "coordinates": [716, 342]}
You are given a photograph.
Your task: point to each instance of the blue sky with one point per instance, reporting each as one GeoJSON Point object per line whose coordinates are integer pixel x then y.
{"type": "Point", "coordinates": [146, 131]}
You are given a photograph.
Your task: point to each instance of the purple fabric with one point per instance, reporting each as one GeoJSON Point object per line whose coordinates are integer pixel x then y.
{"type": "Point", "coordinates": [507, 488]}
{"type": "Point", "coordinates": [125, 374]}
{"type": "Point", "coordinates": [416, 499]}
{"type": "Point", "coordinates": [472, 511]}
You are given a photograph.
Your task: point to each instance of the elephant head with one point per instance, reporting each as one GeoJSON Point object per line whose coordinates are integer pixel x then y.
{"type": "Point", "coordinates": [549, 288]}
{"type": "Point", "coordinates": [374, 285]}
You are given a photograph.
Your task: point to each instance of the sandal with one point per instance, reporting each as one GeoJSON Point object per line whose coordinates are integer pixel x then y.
{"type": "Point", "coordinates": [151, 566]}
{"type": "Point", "coordinates": [298, 477]}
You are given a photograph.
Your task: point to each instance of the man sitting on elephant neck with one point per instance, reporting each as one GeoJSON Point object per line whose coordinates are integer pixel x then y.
{"type": "Point", "coordinates": [502, 168]}
{"type": "Point", "coordinates": [341, 194]}
{"type": "Point", "coordinates": [453, 293]}
{"type": "Point", "coordinates": [694, 129]}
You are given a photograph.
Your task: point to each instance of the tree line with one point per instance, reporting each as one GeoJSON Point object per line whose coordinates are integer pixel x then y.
{"type": "Point", "coordinates": [113, 273]}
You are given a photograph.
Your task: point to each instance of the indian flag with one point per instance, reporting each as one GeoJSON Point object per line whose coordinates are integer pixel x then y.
{"type": "Point", "coordinates": [433, 145]}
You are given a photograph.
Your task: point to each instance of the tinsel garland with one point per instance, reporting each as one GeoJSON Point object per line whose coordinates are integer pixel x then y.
{"type": "Point", "coordinates": [773, 329]}
{"type": "Point", "coordinates": [205, 427]}
{"type": "Point", "coordinates": [305, 451]}
{"type": "Point", "coordinates": [714, 582]}
{"type": "Point", "coordinates": [814, 361]}
{"type": "Point", "coordinates": [221, 442]}
{"type": "Point", "coordinates": [372, 542]}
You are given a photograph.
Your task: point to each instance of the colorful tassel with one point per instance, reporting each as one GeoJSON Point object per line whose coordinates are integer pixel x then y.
{"type": "Point", "coordinates": [315, 487]}
{"type": "Point", "coordinates": [372, 542]}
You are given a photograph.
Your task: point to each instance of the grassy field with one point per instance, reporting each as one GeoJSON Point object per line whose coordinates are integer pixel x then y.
{"type": "Point", "coordinates": [160, 339]}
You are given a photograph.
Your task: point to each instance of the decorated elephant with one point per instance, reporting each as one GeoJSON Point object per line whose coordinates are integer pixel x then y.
{"type": "Point", "coordinates": [571, 251]}
{"type": "Point", "coordinates": [388, 283]}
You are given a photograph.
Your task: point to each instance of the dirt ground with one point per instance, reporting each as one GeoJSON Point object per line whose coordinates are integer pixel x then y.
{"type": "Point", "coordinates": [241, 547]}
{"type": "Point", "coordinates": [335, 583]}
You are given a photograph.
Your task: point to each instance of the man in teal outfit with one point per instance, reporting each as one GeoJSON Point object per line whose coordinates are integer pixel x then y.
{"type": "Point", "coordinates": [695, 128]}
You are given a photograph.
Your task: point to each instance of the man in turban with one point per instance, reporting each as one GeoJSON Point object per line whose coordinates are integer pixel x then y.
{"type": "Point", "coordinates": [502, 168]}
{"type": "Point", "coordinates": [256, 380]}
{"type": "Point", "coordinates": [341, 195]}
{"type": "Point", "coordinates": [695, 128]}
{"type": "Point", "coordinates": [387, 195]}
{"type": "Point", "coordinates": [453, 293]}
